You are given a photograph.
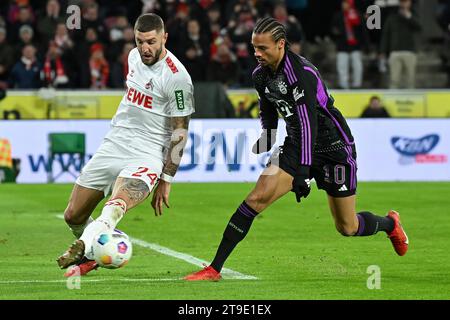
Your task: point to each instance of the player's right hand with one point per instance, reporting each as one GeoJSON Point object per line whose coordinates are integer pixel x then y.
{"type": "Point", "coordinates": [265, 142]}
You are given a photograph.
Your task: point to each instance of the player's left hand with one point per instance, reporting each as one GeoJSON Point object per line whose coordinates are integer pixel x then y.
{"type": "Point", "coordinates": [160, 197]}
{"type": "Point", "coordinates": [301, 187]}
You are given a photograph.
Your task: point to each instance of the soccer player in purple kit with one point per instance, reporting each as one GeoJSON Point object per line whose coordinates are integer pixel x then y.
{"type": "Point", "coordinates": [319, 145]}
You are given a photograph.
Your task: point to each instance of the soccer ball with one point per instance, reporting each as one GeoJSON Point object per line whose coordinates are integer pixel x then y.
{"type": "Point", "coordinates": [112, 250]}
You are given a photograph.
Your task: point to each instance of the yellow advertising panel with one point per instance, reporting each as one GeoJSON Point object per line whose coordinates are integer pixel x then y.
{"type": "Point", "coordinates": [64, 105]}
{"type": "Point", "coordinates": [77, 107]}
{"type": "Point", "coordinates": [103, 104]}
{"type": "Point", "coordinates": [438, 104]}
{"type": "Point", "coordinates": [399, 104]}
{"type": "Point", "coordinates": [109, 105]}
{"type": "Point", "coordinates": [351, 104]}
{"type": "Point", "coordinates": [86, 105]}
{"type": "Point", "coordinates": [23, 106]}
{"type": "Point", "coordinates": [245, 103]}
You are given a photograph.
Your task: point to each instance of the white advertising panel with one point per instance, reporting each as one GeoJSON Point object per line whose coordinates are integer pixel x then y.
{"type": "Point", "coordinates": [220, 150]}
{"type": "Point", "coordinates": [402, 149]}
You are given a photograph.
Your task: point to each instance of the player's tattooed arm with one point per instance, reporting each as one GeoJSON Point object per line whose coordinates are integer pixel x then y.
{"type": "Point", "coordinates": [178, 141]}
{"type": "Point", "coordinates": [179, 137]}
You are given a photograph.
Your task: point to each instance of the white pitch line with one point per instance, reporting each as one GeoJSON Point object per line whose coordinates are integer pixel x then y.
{"type": "Point", "coordinates": [226, 273]}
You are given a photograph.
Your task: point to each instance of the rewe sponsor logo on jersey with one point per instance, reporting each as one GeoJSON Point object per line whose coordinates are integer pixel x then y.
{"type": "Point", "coordinates": [418, 150]}
{"type": "Point", "coordinates": [138, 98]}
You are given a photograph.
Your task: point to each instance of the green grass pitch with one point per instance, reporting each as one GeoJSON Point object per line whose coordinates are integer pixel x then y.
{"type": "Point", "coordinates": [293, 249]}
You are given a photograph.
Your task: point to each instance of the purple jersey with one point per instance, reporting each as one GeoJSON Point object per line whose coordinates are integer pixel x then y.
{"type": "Point", "coordinates": [297, 91]}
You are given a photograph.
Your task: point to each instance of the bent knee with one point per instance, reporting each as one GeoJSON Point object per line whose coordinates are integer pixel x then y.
{"type": "Point", "coordinates": [347, 230]}
{"type": "Point", "coordinates": [258, 201]}
{"type": "Point", "coordinates": [73, 217]}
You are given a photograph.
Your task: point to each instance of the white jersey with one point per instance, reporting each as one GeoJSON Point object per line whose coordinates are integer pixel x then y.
{"type": "Point", "coordinates": [154, 95]}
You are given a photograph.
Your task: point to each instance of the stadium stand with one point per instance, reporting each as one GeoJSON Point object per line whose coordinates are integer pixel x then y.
{"type": "Point", "coordinates": [215, 31]}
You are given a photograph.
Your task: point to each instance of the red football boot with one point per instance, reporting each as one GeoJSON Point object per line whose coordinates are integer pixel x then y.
{"type": "Point", "coordinates": [82, 269]}
{"type": "Point", "coordinates": [398, 236]}
{"type": "Point", "coordinates": [208, 273]}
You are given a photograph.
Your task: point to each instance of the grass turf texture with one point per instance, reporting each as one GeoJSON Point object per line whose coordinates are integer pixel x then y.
{"type": "Point", "coordinates": [293, 249]}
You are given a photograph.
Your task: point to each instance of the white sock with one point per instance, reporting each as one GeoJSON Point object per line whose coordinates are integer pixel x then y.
{"type": "Point", "coordinates": [77, 229]}
{"type": "Point", "coordinates": [112, 212]}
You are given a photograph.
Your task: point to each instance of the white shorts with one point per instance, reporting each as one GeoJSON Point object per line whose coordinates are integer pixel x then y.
{"type": "Point", "coordinates": [114, 160]}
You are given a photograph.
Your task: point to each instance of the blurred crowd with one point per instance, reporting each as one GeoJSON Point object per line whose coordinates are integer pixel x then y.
{"type": "Point", "coordinates": [211, 38]}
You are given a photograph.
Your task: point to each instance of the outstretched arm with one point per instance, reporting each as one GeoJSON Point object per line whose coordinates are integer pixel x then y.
{"type": "Point", "coordinates": [178, 141]}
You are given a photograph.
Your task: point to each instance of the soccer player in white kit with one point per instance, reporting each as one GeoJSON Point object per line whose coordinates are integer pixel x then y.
{"type": "Point", "coordinates": [143, 148]}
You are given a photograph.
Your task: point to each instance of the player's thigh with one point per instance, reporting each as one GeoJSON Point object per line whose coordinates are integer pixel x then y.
{"type": "Point", "coordinates": [135, 182]}
{"type": "Point", "coordinates": [82, 203]}
{"type": "Point", "coordinates": [273, 183]}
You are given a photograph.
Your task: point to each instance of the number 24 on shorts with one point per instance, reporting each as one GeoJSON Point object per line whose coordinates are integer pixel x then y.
{"type": "Point", "coordinates": [142, 170]}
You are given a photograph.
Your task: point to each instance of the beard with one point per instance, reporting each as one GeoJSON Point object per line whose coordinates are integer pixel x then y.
{"type": "Point", "coordinates": [154, 59]}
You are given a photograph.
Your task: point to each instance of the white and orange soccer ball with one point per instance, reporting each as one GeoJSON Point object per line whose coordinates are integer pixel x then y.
{"type": "Point", "coordinates": [112, 250]}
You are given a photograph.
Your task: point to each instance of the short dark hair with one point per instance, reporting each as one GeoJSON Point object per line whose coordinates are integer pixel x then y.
{"type": "Point", "coordinates": [276, 29]}
{"type": "Point", "coordinates": [149, 22]}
